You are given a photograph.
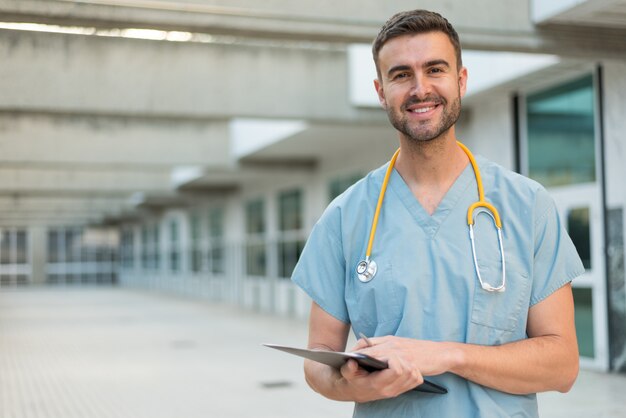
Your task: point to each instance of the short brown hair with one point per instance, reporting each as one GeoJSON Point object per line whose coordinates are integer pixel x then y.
{"type": "Point", "coordinates": [414, 22]}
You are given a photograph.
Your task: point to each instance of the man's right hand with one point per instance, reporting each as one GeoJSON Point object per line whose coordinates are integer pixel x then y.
{"type": "Point", "coordinates": [353, 383]}
{"type": "Point", "coordinates": [366, 386]}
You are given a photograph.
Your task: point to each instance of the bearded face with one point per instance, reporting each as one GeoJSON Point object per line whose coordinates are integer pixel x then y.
{"type": "Point", "coordinates": [420, 85]}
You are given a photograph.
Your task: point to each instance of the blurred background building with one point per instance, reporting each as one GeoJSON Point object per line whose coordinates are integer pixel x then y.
{"type": "Point", "coordinates": [188, 146]}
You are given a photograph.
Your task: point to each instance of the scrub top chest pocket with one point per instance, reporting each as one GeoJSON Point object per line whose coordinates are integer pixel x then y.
{"type": "Point", "coordinates": [503, 313]}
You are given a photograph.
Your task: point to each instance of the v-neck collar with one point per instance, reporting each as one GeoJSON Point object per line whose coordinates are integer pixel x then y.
{"type": "Point", "coordinates": [430, 223]}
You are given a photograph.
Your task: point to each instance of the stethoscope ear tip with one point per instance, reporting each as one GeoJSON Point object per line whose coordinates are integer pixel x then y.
{"type": "Point", "coordinates": [490, 288]}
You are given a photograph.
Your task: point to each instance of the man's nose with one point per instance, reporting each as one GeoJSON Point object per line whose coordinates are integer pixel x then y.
{"type": "Point", "coordinates": [421, 86]}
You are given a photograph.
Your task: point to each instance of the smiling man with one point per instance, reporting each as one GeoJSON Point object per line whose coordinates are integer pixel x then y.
{"type": "Point", "coordinates": [492, 322]}
{"type": "Point", "coordinates": [439, 85]}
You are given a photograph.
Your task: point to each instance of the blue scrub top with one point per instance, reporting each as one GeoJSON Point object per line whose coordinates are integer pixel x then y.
{"type": "Point", "coordinates": [426, 286]}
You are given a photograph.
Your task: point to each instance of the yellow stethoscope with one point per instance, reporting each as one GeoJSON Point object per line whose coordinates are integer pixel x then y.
{"type": "Point", "coordinates": [366, 269]}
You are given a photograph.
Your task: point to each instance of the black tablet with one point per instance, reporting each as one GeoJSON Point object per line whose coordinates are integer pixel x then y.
{"type": "Point", "coordinates": [336, 359]}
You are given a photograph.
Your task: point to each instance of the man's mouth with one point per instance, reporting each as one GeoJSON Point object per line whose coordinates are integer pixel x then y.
{"type": "Point", "coordinates": [425, 105]}
{"type": "Point", "coordinates": [422, 109]}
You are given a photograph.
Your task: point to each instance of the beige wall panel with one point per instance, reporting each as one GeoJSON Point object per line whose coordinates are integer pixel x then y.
{"type": "Point", "coordinates": [486, 127]}
{"type": "Point", "coordinates": [89, 74]}
{"type": "Point", "coordinates": [326, 19]}
{"type": "Point", "coordinates": [615, 132]}
{"type": "Point", "coordinates": [25, 180]}
{"type": "Point", "coordinates": [109, 140]}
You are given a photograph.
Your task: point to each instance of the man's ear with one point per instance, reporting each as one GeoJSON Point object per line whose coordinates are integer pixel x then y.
{"type": "Point", "coordinates": [463, 81]}
{"type": "Point", "coordinates": [381, 93]}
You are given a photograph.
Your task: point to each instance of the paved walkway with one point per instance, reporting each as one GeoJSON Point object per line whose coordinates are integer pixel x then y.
{"type": "Point", "coordinates": [117, 353]}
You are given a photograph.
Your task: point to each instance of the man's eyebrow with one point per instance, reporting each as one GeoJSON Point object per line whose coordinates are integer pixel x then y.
{"type": "Point", "coordinates": [435, 63]}
{"type": "Point", "coordinates": [404, 67]}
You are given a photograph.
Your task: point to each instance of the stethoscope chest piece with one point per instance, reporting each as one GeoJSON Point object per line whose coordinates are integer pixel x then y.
{"type": "Point", "coordinates": [366, 270]}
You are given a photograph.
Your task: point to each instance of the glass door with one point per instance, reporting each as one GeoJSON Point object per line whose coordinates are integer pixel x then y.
{"type": "Point", "coordinates": [561, 151]}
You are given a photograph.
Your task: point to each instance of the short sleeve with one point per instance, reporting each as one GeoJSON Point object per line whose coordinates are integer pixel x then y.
{"type": "Point", "coordinates": [556, 261]}
{"type": "Point", "coordinates": [320, 271]}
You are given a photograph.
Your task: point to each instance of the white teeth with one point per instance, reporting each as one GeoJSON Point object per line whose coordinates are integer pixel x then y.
{"type": "Point", "coordinates": [423, 109]}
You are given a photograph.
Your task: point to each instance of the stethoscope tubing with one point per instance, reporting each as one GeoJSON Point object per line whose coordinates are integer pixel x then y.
{"type": "Point", "coordinates": [366, 269]}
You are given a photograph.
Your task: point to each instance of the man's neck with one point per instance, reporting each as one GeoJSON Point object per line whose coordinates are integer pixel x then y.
{"type": "Point", "coordinates": [430, 168]}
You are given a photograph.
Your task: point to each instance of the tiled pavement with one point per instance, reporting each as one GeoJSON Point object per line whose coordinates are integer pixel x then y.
{"type": "Point", "coordinates": [118, 353]}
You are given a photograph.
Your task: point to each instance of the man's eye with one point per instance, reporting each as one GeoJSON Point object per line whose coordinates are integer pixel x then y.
{"type": "Point", "coordinates": [400, 76]}
{"type": "Point", "coordinates": [436, 70]}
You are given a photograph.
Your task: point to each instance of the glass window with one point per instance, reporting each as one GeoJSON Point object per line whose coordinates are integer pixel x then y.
{"type": "Point", "coordinates": [75, 253]}
{"type": "Point", "coordinates": [256, 259]}
{"type": "Point", "coordinates": [156, 247]}
{"type": "Point", "coordinates": [150, 255]}
{"type": "Point", "coordinates": [195, 255]}
{"type": "Point", "coordinates": [216, 240]}
{"type": "Point", "coordinates": [255, 217]}
{"type": "Point", "coordinates": [579, 231]}
{"type": "Point", "coordinates": [288, 254]}
{"type": "Point", "coordinates": [583, 316]}
{"type": "Point", "coordinates": [5, 280]}
{"type": "Point", "coordinates": [174, 246]}
{"type": "Point", "coordinates": [87, 254]}
{"type": "Point", "coordinates": [123, 248]}
{"type": "Point", "coordinates": [290, 243]}
{"type": "Point", "coordinates": [54, 278]}
{"type": "Point", "coordinates": [22, 247]}
{"type": "Point", "coordinates": [72, 243]}
{"type": "Point", "coordinates": [127, 248]}
{"type": "Point", "coordinates": [53, 246]}
{"type": "Point", "coordinates": [5, 247]}
{"type": "Point", "coordinates": [290, 210]}
{"type": "Point", "coordinates": [216, 223]}
{"type": "Point", "coordinates": [339, 185]}
{"type": "Point", "coordinates": [145, 247]}
{"type": "Point", "coordinates": [561, 146]}
{"type": "Point", "coordinates": [255, 241]}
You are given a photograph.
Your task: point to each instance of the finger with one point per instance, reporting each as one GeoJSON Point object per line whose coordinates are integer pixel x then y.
{"type": "Point", "coordinates": [375, 352]}
{"type": "Point", "coordinates": [360, 344]}
{"type": "Point", "coordinates": [408, 376]}
{"type": "Point", "coordinates": [369, 342]}
{"type": "Point", "coordinates": [349, 369]}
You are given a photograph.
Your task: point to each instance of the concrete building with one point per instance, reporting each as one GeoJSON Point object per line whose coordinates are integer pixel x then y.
{"type": "Point", "coordinates": [189, 146]}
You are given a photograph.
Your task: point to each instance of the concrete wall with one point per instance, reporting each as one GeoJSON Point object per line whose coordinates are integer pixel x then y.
{"type": "Point", "coordinates": [615, 153]}
{"type": "Point", "coordinates": [98, 75]}
{"type": "Point", "coordinates": [88, 139]}
{"type": "Point", "coordinates": [615, 131]}
{"type": "Point", "coordinates": [486, 127]}
{"type": "Point", "coordinates": [346, 20]}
